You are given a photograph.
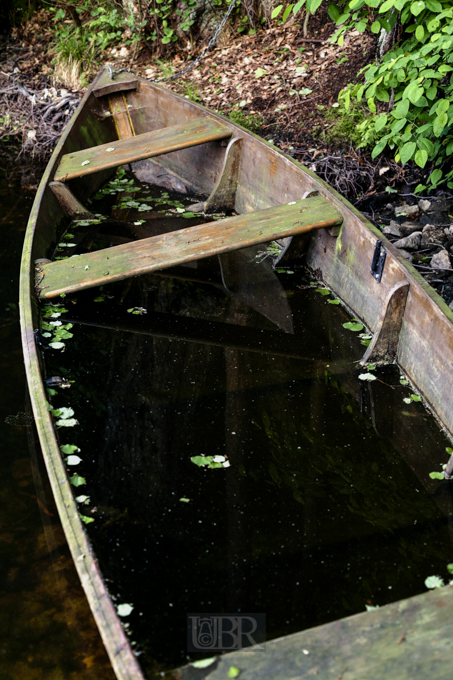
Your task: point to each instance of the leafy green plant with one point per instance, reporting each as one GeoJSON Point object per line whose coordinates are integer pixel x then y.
{"type": "Point", "coordinates": [410, 91]}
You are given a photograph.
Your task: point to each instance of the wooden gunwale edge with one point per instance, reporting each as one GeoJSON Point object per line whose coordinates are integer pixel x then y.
{"type": "Point", "coordinates": [121, 656]}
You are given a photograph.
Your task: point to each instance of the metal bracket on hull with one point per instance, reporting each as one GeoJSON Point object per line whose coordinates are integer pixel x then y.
{"type": "Point", "coordinates": [378, 261]}
{"type": "Point", "coordinates": [384, 346]}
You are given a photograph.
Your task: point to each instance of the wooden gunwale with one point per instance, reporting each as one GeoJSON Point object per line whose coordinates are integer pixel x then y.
{"type": "Point", "coordinates": [425, 350]}
{"type": "Point", "coordinates": [116, 643]}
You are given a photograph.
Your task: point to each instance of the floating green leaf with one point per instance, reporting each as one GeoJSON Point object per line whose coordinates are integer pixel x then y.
{"type": "Point", "coordinates": [334, 302]}
{"type": "Point", "coordinates": [85, 519]}
{"type": "Point", "coordinates": [204, 663]}
{"type": "Point", "coordinates": [436, 475]}
{"type": "Point", "coordinates": [368, 377]}
{"type": "Point", "coordinates": [73, 460]}
{"type": "Point", "coordinates": [211, 462]}
{"type": "Point", "coordinates": [185, 500]}
{"type": "Point", "coordinates": [124, 609]}
{"type": "Point", "coordinates": [56, 345]}
{"type": "Point", "coordinates": [353, 326]}
{"type": "Point", "coordinates": [434, 582]}
{"type": "Point", "coordinates": [69, 422]}
{"type": "Point", "coordinates": [64, 412]}
{"type": "Point", "coordinates": [77, 480]}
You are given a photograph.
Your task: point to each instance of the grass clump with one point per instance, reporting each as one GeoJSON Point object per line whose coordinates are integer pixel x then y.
{"type": "Point", "coordinates": [251, 121]}
{"type": "Point", "coordinates": [345, 125]}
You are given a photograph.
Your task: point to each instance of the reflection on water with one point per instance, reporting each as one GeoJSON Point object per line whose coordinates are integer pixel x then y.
{"type": "Point", "coordinates": [327, 505]}
{"type": "Point", "coordinates": [46, 629]}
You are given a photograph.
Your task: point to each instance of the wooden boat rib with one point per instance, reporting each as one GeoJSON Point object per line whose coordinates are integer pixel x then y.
{"type": "Point", "coordinates": [411, 323]}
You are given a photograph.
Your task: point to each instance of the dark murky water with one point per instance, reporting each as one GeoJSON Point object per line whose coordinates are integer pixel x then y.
{"type": "Point", "coordinates": [326, 505]}
{"type": "Point", "coordinates": [46, 629]}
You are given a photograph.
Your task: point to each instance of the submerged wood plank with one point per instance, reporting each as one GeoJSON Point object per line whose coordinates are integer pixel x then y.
{"type": "Point", "coordinates": [384, 346]}
{"type": "Point", "coordinates": [407, 640]}
{"type": "Point", "coordinates": [185, 245]}
{"type": "Point", "coordinates": [212, 333]}
{"type": "Point", "coordinates": [143, 146]}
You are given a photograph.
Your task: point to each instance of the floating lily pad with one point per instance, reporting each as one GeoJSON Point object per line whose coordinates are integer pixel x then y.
{"type": "Point", "coordinates": [353, 326]}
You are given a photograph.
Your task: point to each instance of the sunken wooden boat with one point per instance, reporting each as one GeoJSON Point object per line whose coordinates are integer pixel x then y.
{"type": "Point", "coordinates": [122, 120]}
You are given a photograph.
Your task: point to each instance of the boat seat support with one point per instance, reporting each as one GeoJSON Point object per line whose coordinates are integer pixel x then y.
{"type": "Point", "coordinates": [69, 203]}
{"type": "Point", "coordinates": [177, 247]}
{"type": "Point", "coordinates": [224, 193]}
{"type": "Point", "coordinates": [384, 345]}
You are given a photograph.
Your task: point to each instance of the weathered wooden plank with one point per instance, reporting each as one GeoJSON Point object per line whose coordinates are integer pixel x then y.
{"type": "Point", "coordinates": [106, 84]}
{"type": "Point", "coordinates": [407, 640]}
{"type": "Point", "coordinates": [143, 146]}
{"type": "Point", "coordinates": [121, 117]}
{"type": "Point", "coordinates": [383, 348]}
{"type": "Point", "coordinates": [185, 245]}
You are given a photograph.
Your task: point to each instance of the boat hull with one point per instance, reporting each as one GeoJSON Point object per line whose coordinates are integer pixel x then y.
{"type": "Point", "coordinates": [266, 178]}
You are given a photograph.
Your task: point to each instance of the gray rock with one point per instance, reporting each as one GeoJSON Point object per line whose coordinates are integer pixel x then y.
{"type": "Point", "coordinates": [392, 230]}
{"type": "Point", "coordinates": [409, 227]}
{"type": "Point", "coordinates": [424, 205]}
{"type": "Point", "coordinates": [405, 254]}
{"type": "Point", "coordinates": [432, 235]}
{"type": "Point", "coordinates": [440, 260]}
{"type": "Point", "coordinates": [448, 231]}
{"type": "Point", "coordinates": [451, 305]}
{"type": "Point", "coordinates": [412, 242]}
{"type": "Point", "coordinates": [406, 209]}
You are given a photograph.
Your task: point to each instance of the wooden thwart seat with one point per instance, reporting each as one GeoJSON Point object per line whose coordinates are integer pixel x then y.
{"type": "Point", "coordinates": [147, 145]}
{"type": "Point", "coordinates": [159, 252]}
